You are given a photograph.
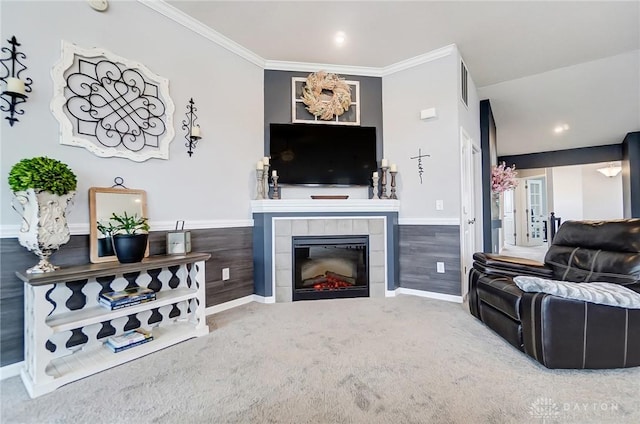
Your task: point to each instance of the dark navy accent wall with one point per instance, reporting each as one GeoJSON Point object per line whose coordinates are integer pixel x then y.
{"type": "Point", "coordinates": [595, 154]}
{"type": "Point", "coordinates": [631, 175]}
{"type": "Point", "coordinates": [277, 102]}
{"type": "Point", "coordinates": [262, 248]}
{"type": "Point", "coordinates": [488, 145]}
{"type": "Point", "coordinates": [262, 254]}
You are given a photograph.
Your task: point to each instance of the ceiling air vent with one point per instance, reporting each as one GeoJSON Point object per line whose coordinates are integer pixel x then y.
{"type": "Point", "coordinates": [464, 78]}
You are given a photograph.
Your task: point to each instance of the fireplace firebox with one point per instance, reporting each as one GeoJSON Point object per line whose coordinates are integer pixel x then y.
{"type": "Point", "coordinates": [329, 267]}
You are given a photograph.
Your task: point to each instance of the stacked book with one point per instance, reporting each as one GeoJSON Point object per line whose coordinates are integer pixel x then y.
{"type": "Point", "coordinates": [125, 298]}
{"type": "Point", "coordinates": [128, 340]}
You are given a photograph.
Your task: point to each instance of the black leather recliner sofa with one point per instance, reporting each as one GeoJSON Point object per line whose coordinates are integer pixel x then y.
{"type": "Point", "coordinates": [556, 331]}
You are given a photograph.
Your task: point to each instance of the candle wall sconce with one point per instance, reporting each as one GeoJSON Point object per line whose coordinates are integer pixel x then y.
{"type": "Point", "coordinates": [15, 89]}
{"type": "Point", "coordinates": [193, 129]}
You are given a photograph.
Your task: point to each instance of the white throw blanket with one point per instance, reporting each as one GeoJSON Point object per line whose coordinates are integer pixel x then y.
{"type": "Point", "coordinates": [602, 293]}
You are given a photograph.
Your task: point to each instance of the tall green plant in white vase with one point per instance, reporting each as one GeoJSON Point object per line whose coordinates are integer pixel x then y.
{"type": "Point", "coordinates": [43, 187]}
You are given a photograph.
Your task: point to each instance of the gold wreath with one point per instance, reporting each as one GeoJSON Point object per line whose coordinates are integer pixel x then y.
{"type": "Point", "coordinates": [323, 105]}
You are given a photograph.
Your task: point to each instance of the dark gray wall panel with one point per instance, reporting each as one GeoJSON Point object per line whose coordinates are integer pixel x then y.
{"type": "Point", "coordinates": [631, 175]}
{"type": "Point", "coordinates": [229, 247]}
{"type": "Point", "coordinates": [488, 144]}
{"type": "Point", "coordinates": [277, 102]}
{"type": "Point", "coordinates": [579, 156]}
{"type": "Point", "coordinates": [421, 246]}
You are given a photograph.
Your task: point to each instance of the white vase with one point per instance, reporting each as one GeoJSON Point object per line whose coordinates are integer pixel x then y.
{"type": "Point", "coordinates": [44, 224]}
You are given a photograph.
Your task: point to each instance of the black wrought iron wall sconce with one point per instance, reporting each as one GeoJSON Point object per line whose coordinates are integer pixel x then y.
{"type": "Point", "coordinates": [193, 129]}
{"type": "Point", "coordinates": [15, 88]}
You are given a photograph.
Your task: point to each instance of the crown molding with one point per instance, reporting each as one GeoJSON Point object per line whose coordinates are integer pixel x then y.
{"type": "Point", "coordinates": [419, 60]}
{"type": "Point", "coordinates": [278, 65]}
{"type": "Point", "coordinates": [198, 27]}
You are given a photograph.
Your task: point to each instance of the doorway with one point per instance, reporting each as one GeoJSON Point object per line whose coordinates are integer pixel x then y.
{"type": "Point", "coordinates": [471, 224]}
{"type": "Point", "coordinates": [524, 213]}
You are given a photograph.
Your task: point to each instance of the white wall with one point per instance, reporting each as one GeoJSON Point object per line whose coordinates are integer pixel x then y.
{"type": "Point", "coordinates": [567, 192]}
{"type": "Point", "coordinates": [600, 95]}
{"type": "Point", "coordinates": [601, 195]}
{"type": "Point", "coordinates": [404, 95]}
{"type": "Point", "coordinates": [216, 183]}
{"type": "Point", "coordinates": [580, 192]}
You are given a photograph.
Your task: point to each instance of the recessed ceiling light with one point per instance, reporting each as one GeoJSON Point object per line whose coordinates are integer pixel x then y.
{"type": "Point", "coordinates": [561, 128]}
{"type": "Point", "coordinates": [340, 37]}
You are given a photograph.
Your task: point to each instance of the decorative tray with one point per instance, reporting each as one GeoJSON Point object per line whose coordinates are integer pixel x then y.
{"type": "Point", "coordinates": [315, 196]}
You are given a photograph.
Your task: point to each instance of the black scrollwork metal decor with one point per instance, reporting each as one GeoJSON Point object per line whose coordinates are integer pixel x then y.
{"type": "Point", "coordinates": [14, 92]}
{"type": "Point", "coordinates": [115, 105]}
{"type": "Point", "coordinates": [192, 129]}
{"type": "Point", "coordinates": [110, 105]}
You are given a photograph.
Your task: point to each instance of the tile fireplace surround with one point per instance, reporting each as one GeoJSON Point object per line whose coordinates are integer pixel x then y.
{"type": "Point", "coordinates": [277, 221]}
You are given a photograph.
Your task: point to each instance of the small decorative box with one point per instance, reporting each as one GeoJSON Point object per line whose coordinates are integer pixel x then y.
{"type": "Point", "coordinates": [178, 241]}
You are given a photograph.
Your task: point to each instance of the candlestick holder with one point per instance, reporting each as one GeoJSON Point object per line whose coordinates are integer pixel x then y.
{"type": "Point", "coordinates": [276, 190]}
{"type": "Point", "coordinates": [375, 188]}
{"type": "Point", "coordinates": [384, 182]}
{"type": "Point", "coordinates": [193, 130]}
{"type": "Point", "coordinates": [265, 178]}
{"type": "Point", "coordinates": [16, 88]}
{"type": "Point", "coordinates": [393, 185]}
{"type": "Point", "coordinates": [260, 184]}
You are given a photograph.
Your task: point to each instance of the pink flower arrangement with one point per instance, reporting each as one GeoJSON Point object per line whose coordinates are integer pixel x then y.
{"type": "Point", "coordinates": [503, 178]}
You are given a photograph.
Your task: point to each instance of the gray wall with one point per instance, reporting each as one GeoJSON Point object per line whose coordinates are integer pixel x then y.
{"type": "Point", "coordinates": [229, 248]}
{"type": "Point", "coordinates": [277, 102]}
{"type": "Point", "coordinates": [226, 88]}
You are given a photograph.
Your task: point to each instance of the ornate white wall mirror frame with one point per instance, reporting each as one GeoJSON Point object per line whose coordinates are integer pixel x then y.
{"type": "Point", "coordinates": [110, 105]}
{"type": "Point", "coordinates": [103, 202]}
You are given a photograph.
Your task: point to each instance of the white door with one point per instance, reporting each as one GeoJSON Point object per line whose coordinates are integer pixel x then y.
{"type": "Point", "coordinates": [535, 214]}
{"type": "Point", "coordinates": [470, 160]}
{"type": "Point", "coordinates": [509, 218]}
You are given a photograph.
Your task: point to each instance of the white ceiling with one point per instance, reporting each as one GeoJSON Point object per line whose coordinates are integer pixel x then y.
{"type": "Point", "coordinates": [539, 63]}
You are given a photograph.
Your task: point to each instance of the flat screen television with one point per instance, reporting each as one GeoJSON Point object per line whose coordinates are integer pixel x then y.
{"type": "Point", "coordinates": [313, 154]}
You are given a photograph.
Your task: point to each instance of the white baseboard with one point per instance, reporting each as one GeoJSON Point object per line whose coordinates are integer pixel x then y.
{"type": "Point", "coordinates": [229, 305]}
{"type": "Point", "coordinates": [12, 370]}
{"type": "Point", "coordinates": [430, 295]}
{"type": "Point", "coordinates": [262, 299]}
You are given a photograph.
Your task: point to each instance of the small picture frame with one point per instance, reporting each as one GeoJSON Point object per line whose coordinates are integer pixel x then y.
{"type": "Point", "coordinates": [178, 241]}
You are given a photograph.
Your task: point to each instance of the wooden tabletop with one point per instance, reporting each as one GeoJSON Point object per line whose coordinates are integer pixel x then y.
{"type": "Point", "coordinates": [82, 272]}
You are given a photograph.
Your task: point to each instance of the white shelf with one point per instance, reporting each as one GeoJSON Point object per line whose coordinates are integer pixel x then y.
{"type": "Point", "coordinates": [324, 205]}
{"type": "Point", "coordinates": [95, 314]}
{"type": "Point", "coordinates": [46, 369]}
{"type": "Point", "coordinates": [83, 363]}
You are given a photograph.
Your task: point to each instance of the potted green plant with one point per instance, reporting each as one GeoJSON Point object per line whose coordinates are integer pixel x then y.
{"type": "Point", "coordinates": [130, 235]}
{"type": "Point", "coordinates": [105, 242]}
{"type": "Point", "coordinates": [43, 187]}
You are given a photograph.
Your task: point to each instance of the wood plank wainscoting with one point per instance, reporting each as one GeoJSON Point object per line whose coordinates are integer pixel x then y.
{"type": "Point", "coordinates": [229, 248]}
{"type": "Point", "coordinates": [421, 247]}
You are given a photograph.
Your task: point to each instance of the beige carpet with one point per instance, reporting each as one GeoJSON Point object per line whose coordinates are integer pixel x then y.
{"type": "Point", "coordinates": [396, 360]}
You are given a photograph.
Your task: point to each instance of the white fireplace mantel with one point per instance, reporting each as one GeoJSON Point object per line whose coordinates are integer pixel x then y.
{"type": "Point", "coordinates": [324, 205]}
